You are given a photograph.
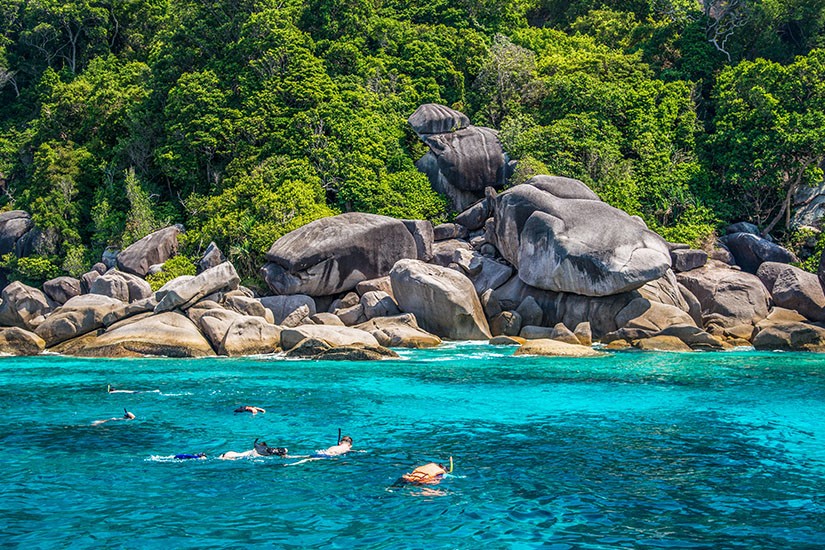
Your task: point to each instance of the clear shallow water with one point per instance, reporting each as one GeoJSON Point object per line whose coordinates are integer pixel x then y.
{"type": "Point", "coordinates": [703, 450]}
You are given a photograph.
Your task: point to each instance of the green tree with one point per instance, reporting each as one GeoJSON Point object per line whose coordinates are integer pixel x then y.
{"type": "Point", "coordinates": [769, 134]}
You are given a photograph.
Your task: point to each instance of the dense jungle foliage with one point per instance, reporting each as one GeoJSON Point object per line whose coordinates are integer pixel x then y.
{"type": "Point", "coordinates": [244, 119]}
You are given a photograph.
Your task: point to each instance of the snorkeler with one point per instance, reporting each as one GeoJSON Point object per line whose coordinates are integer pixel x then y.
{"type": "Point", "coordinates": [428, 474]}
{"type": "Point", "coordinates": [126, 416]}
{"type": "Point", "coordinates": [258, 449]}
{"type": "Point", "coordinates": [248, 408]}
{"type": "Point", "coordinates": [344, 446]}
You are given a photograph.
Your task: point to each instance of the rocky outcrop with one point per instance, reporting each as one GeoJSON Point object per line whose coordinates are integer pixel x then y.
{"type": "Point", "coordinates": [378, 304]}
{"type": "Point", "coordinates": [463, 159]}
{"type": "Point", "coordinates": [23, 306]}
{"type": "Point", "coordinates": [400, 331]}
{"type": "Point", "coordinates": [332, 255]}
{"type": "Point", "coordinates": [80, 315]}
{"type": "Point", "coordinates": [751, 250]}
{"type": "Point", "coordinates": [728, 297]}
{"type": "Point", "coordinates": [787, 330]}
{"type": "Point", "coordinates": [13, 225]}
{"type": "Point", "coordinates": [168, 334]}
{"type": "Point", "coordinates": [793, 288]}
{"type": "Point", "coordinates": [560, 243]}
{"type": "Point", "coordinates": [443, 300]}
{"type": "Point", "coordinates": [62, 289]}
{"type": "Point", "coordinates": [16, 341]}
{"type": "Point", "coordinates": [432, 118]}
{"type": "Point", "coordinates": [546, 308]}
{"type": "Point", "coordinates": [184, 292]}
{"type": "Point", "coordinates": [154, 248]}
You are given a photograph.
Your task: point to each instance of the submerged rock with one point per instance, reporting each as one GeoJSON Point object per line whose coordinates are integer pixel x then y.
{"type": "Point", "coordinates": [16, 341]}
{"type": "Point", "coordinates": [555, 348]}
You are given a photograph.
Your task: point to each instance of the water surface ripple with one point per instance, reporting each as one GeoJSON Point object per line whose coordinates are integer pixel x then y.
{"type": "Point", "coordinates": [703, 450]}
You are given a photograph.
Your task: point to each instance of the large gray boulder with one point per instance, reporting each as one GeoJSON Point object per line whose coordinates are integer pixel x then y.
{"type": "Point", "coordinates": [62, 289]}
{"type": "Point", "coordinates": [796, 289]}
{"type": "Point", "coordinates": [24, 306]}
{"type": "Point", "coordinates": [154, 248]}
{"type": "Point", "coordinates": [751, 250]}
{"type": "Point", "coordinates": [575, 245]}
{"type": "Point", "coordinates": [13, 225]}
{"type": "Point", "coordinates": [443, 300]}
{"type": "Point", "coordinates": [168, 334]}
{"type": "Point", "coordinates": [378, 304]}
{"type": "Point", "coordinates": [432, 118]}
{"type": "Point", "coordinates": [214, 322]}
{"type": "Point", "coordinates": [332, 255]}
{"type": "Point", "coordinates": [121, 286]}
{"type": "Point", "coordinates": [728, 297]}
{"type": "Point", "coordinates": [470, 159]}
{"type": "Point", "coordinates": [187, 291]}
{"type": "Point", "coordinates": [821, 272]}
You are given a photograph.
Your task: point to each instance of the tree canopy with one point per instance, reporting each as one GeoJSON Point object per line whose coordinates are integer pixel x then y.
{"type": "Point", "coordinates": [244, 119]}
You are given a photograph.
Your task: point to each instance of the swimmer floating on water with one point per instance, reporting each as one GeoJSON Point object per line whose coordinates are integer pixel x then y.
{"type": "Point", "coordinates": [343, 447]}
{"type": "Point", "coordinates": [248, 408]}
{"type": "Point", "coordinates": [428, 474]}
{"type": "Point", "coordinates": [126, 416]}
{"type": "Point", "coordinates": [258, 450]}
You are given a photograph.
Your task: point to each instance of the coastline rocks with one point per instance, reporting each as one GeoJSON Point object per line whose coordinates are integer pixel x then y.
{"type": "Point", "coordinates": [16, 341]}
{"type": "Point", "coordinates": [78, 316]}
{"type": "Point", "coordinates": [794, 288]}
{"type": "Point", "coordinates": [332, 255]}
{"type": "Point", "coordinates": [168, 334]}
{"type": "Point", "coordinates": [561, 244]}
{"type": "Point", "coordinates": [250, 336]}
{"type": "Point", "coordinates": [154, 248]}
{"type": "Point", "coordinates": [62, 289]}
{"type": "Point", "coordinates": [399, 331]}
{"type": "Point", "coordinates": [787, 330]}
{"type": "Point", "coordinates": [311, 348]}
{"type": "Point", "coordinates": [555, 348]}
{"type": "Point", "coordinates": [332, 335]}
{"type": "Point", "coordinates": [662, 343]}
{"type": "Point", "coordinates": [381, 284]}
{"type": "Point", "coordinates": [750, 251]}
{"type": "Point", "coordinates": [184, 292]}
{"type": "Point", "coordinates": [378, 304]}
{"type": "Point", "coordinates": [728, 297]}
{"type": "Point", "coordinates": [23, 306]}
{"type": "Point", "coordinates": [443, 300]}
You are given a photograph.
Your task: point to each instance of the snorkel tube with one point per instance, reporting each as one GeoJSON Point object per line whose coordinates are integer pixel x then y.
{"type": "Point", "coordinates": [451, 466]}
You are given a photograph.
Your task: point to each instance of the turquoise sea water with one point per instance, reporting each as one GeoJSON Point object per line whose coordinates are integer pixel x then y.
{"type": "Point", "coordinates": [633, 450]}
